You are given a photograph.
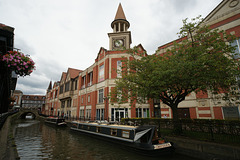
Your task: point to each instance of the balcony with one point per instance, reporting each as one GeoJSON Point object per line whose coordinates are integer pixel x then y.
{"type": "Point", "coordinates": [67, 94]}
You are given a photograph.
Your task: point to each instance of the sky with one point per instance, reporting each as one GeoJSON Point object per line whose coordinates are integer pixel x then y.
{"type": "Point", "coordinates": [58, 34]}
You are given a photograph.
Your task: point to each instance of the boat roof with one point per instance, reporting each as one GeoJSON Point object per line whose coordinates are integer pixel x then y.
{"type": "Point", "coordinates": [127, 127]}
{"type": "Point", "coordinates": [54, 118]}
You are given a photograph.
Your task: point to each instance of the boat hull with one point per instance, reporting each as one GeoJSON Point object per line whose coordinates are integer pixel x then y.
{"type": "Point", "coordinates": [56, 122]}
{"type": "Point", "coordinates": [129, 144]}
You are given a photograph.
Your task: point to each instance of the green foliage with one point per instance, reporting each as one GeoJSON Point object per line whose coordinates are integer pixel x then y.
{"type": "Point", "coordinates": [200, 60]}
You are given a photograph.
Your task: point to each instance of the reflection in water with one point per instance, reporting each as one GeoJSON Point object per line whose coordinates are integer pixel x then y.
{"type": "Point", "coordinates": [36, 140]}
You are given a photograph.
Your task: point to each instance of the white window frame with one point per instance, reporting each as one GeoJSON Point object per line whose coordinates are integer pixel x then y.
{"type": "Point", "coordinates": [101, 73]}
{"type": "Point", "coordinates": [89, 98]}
{"type": "Point", "coordinates": [236, 43]}
{"type": "Point", "coordinates": [100, 95]}
{"type": "Point", "coordinates": [119, 69]}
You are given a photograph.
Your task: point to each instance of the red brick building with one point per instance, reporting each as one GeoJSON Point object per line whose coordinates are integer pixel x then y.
{"type": "Point", "coordinates": [85, 93]}
{"type": "Point", "coordinates": [226, 16]}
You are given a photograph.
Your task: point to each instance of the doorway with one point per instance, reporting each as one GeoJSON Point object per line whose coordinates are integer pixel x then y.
{"type": "Point", "coordinates": [119, 113]}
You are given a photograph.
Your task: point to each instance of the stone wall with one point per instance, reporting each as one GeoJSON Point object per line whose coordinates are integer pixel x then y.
{"type": "Point", "coordinates": [205, 150]}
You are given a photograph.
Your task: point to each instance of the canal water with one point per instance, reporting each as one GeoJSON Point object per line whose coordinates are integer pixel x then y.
{"type": "Point", "coordinates": [37, 141]}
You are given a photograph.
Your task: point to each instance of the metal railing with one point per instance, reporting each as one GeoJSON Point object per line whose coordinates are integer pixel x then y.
{"type": "Point", "coordinates": [4, 116]}
{"type": "Point", "coordinates": [221, 131]}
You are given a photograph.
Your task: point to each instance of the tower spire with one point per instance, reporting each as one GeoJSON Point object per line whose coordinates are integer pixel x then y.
{"type": "Point", "coordinates": [50, 86]}
{"type": "Point", "coordinates": [120, 14]}
{"type": "Point", "coordinates": [120, 23]}
{"type": "Point", "coordinates": [120, 38]}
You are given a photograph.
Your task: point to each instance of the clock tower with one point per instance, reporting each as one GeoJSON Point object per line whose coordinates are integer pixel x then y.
{"type": "Point", "coordinates": [121, 37]}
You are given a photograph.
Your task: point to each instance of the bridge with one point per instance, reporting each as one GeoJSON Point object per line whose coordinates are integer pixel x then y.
{"type": "Point", "coordinates": [23, 112]}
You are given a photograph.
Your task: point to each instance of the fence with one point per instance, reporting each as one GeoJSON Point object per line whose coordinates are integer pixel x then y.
{"type": "Point", "coordinates": [4, 116]}
{"type": "Point", "coordinates": [221, 131]}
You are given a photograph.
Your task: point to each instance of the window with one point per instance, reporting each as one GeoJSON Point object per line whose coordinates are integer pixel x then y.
{"type": "Point", "coordinates": [98, 129]}
{"type": "Point", "coordinates": [101, 73]}
{"type": "Point", "coordinates": [88, 113]}
{"type": "Point", "coordinates": [82, 99]}
{"type": "Point", "coordinates": [89, 98]}
{"type": "Point", "coordinates": [62, 104]}
{"type": "Point", "coordinates": [100, 114]}
{"type": "Point", "coordinates": [83, 82]}
{"type": "Point", "coordinates": [145, 112]}
{"type": "Point", "coordinates": [100, 96]}
{"type": "Point", "coordinates": [61, 89]}
{"type": "Point", "coordinates": [69, 103]}
{"type": "Point", "coordinates": [81, 113]}
{"type": "Point", "coordinates": [119, 69]}
{"type": "Point", "coordinates": [90, 78]}
{"type": "Point", "coordinates": [76, 84]}
{"type": "Point", "coordinates": [139, 112]}
{"type": "Point", "coordinates": [119, 96]}
{"type": "Point", "coordinates": [125, 134]}
{"type": "Point", "coordinates": [114, 132]}
{"type": "Point", "coordinates": [67, 86]}
{"type": "Point", "coordinates": [237, 50]}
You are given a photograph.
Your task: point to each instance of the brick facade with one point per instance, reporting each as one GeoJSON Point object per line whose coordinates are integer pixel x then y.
{"type": "Point", "coordinates": [91, 100]}
{"type": "Point", "coordinates": [225, 16]}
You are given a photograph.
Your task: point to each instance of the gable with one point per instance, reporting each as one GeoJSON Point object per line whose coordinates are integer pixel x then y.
{"type": "Point", "coordinates": [141, 49]}
{"type": "Point", "coordinates": [226, 9]}
{"type": "Point", "coordinates": [101, 54]}
{"type": "Point", "coordinates": [63, 77]}
{"type": "Point", "coordinates": [67, 76]}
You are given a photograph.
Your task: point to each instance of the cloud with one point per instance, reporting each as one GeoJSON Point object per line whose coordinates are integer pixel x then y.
{"type": "Point", "coordinates": [58, 34]}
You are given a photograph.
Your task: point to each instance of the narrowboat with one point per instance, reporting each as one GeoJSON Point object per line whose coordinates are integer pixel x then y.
{"type": "Point", "coordinates": [142, 139]}
{"type": "Point", "coordinates": [56, 121]}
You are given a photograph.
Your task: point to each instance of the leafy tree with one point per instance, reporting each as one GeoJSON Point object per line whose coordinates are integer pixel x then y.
{"type": "Point", "coordinates": [201, 60]}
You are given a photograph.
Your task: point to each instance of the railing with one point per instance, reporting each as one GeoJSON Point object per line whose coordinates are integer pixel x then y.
{"type": "Point", "coordinates": [221, 131]}
{"type": "Point", "coordinates": [4, 116]}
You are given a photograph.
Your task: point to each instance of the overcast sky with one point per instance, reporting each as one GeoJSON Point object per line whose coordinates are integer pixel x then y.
{"type": "Point", "coordinates": [58, 34]}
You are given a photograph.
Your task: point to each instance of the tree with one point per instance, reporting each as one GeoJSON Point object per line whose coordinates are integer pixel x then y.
{"type": "Point", "coordinates": [201, 60]}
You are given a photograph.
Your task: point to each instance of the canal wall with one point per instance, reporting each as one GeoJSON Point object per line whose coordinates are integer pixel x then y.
{"type": "Point", "coordinates": [204, 150]}
{"type": "Point", "coordinates": [8, 150]}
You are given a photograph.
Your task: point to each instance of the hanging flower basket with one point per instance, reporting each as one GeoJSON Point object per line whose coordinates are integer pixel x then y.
{"type": "Point", "coordinates": [22, 64]}
{"type": "Point", "coordinates": [12, 99]}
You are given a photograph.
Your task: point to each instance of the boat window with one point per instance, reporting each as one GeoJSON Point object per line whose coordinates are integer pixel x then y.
{"type": "Point", "coordinates": [114, 132]}
{"type": "Point", "coordinates": [74, 125]}
{"type": "Point", "coordinates": [125, 134]}
{"type": "Point", "coordinates": [88, 127]}
{"type": "Point", "coordinates": [98, 129]}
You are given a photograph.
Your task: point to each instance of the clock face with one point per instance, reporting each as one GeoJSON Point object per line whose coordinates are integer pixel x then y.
{"type": "Point", "coordinates": [118, 43]}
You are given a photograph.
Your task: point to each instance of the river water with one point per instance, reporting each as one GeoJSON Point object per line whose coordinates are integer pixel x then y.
{"type": "Point", "coordinates": [37, 141]}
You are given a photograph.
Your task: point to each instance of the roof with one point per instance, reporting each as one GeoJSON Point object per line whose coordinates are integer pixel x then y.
{"type": "Point", "coordinates": [120, 14]}
{"type": "Point", "coordinates": [63, 77]}
{"type": "Point", "coordinates": [17, 91]}
{"type": "Point", "coordinates": [33, 97]}
{"type": "Point", "coordinates": [73, 72]}
{"type": "Point", "coordinates": [7, 28]}
{"type": "Point", "coordinates": [50, 85]}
